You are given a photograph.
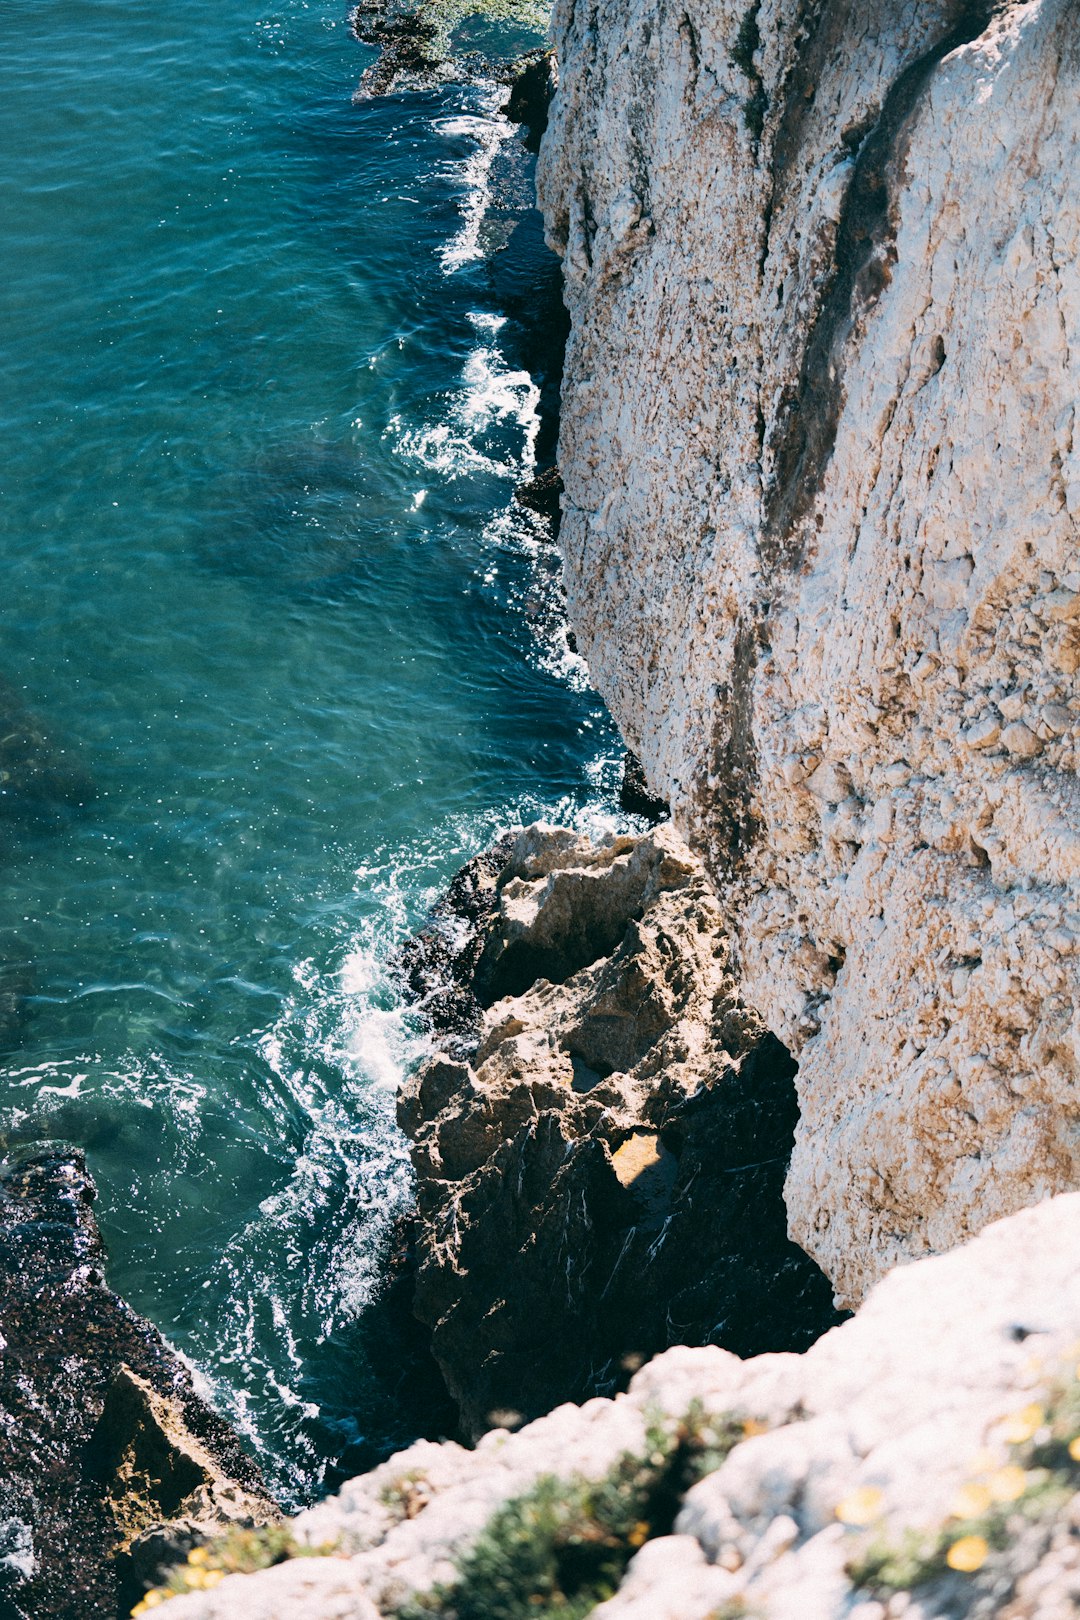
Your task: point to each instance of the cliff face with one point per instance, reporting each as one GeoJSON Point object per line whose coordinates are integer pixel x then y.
{"type": "Point", "coordinates": [820, 526]}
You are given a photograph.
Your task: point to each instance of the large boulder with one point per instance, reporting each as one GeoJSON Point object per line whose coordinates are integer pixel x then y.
{"type": "Point", "coordinates": [601, 1174]}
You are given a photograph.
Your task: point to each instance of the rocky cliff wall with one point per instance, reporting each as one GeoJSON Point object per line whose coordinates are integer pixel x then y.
{"type": "Point", "coordinates": [600, 1163]}
{"type": "Point", "coordinates": [820, 525]}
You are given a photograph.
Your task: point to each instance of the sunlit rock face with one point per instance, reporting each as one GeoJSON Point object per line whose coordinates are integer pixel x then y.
{"type": "Point", "coordinates": [600, 1164]}
{"type": "Point", "coordinates": [820, 525]}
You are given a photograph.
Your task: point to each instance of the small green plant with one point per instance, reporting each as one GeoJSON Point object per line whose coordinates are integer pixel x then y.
{"type": "Point", "coordinates": [562, 1547]}
{"type": "Point", "coordinates": [707, 1439]}
{"type": "Point", "coordinates": [402, 1495]}
{"type": "Point", "coordinates": [747, 42]}
{"type": "Point", "coordinates": [559, 1550]}
{"type": "Point", "coordinates": [238, 1552]}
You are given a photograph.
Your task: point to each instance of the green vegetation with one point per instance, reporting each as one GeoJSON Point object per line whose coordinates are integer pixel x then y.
{"type": "Point", "coordinates": [445, 17]}
{"type": "Point", "coordinates": [238, 1552]}
{"type": "Point", "coordinates": [991, 1509]}
{"type": "Point", "coordinates": [747, 41]}
{"type": "Point", "coordinates": [562, 1548]}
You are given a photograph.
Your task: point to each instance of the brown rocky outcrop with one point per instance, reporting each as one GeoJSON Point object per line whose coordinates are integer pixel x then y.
{"type": "Point", "coordinates": [111, 1461]}
{"type": "Point", "coordinates": [602, 1175]}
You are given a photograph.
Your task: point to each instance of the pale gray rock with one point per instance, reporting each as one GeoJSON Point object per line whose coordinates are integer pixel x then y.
{"type": "Point", "coordinates": [821, 536]}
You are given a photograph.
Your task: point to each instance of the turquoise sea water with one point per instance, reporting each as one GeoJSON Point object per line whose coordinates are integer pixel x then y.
{"type": "Point", "coordinates": [265, 395]}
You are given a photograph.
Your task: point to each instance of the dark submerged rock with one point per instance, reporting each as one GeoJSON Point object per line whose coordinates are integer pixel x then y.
{"type": "Point", "coordinates": [437, 965]}
{"type": "Point", "coordinates": [531, 90]}
{"type": "Point", "coordinates": [405, 41]}
{"type": "Point", "coordinates": [40, 778]}
{"type": "Point", "coordinates": [104, 1437]}
{"type": "Point", "coordinates": [542, 495]}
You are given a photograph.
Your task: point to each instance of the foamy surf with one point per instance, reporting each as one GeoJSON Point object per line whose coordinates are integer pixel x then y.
{"type": "Point", "coordinates": [489, 130]}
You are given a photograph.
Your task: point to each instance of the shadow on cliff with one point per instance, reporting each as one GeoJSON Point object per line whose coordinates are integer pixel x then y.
{"type": "Point", "coordinates": [601, 1153]}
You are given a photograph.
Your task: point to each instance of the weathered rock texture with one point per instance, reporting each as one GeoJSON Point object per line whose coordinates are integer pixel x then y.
{"type": "Point", "coordinates": [822, 475]}
{"type": "Point", "coordinates": [110, 1459]}
{"type": "Point", "coordinates": [885, 1420]}
{"type": "Point", "coordinates": [601, 1175]}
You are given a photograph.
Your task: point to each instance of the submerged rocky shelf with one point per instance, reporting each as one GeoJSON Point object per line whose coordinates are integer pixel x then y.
{"type": "Point", "coordinates": [112, 1463]}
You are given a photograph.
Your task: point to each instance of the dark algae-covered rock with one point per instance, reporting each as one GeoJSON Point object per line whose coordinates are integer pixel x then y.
{"type": "Point", "coordinates": [636, 796]}
{"type": "Point", "coordinates": [601, 1174]}
{"type": "Point", "coordinates": [110, 1459]}
{"type": "Point", "coordinates": [437, 964]}
{"type": "Point", "coordinates": [39, 777]}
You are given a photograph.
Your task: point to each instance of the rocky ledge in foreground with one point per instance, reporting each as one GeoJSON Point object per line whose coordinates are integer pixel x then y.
{"type": "Point", "coordinates": [110, 1460]}
{"type": "Point", "coordinates": [920, 1460]}
{"type": "Point", "coordinates": [601, 1162]}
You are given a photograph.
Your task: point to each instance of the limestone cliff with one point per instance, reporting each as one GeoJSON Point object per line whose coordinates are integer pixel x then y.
{"type": "Point", "coordinates": [820, 525]}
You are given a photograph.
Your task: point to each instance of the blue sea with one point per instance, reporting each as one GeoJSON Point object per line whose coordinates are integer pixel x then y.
{"type": "Point", "coordinates": [272, 368]}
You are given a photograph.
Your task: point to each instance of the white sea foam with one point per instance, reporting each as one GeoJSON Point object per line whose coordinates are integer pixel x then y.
{"type": "Point", "coordinates": [490, 425]}
{"type": "Point", "coordinates": [490, 131]}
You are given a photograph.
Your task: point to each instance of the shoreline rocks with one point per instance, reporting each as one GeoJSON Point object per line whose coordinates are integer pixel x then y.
{"type": "Point", "coordinates": [111, 1461]}
{"type": "Point", "coordinates": [600, 1155]}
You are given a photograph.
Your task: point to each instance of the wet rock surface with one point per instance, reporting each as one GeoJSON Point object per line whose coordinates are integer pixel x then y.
{"type": "Point", "coordinates": [601, 1175]}
{"type": "Point", "coordinates": [635, 794]}
{"type": "Point", "coordinates": [110, 1459]}
{"type": "Point", "coordinates": [418, 50]}
{"type": "Point", "coordinates": [542, 495]}
{"type": "Point", "coordinates": [437, 965]}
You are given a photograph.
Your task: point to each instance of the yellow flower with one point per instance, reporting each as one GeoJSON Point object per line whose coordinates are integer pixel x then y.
{"type": "Point", "coordinates": [984, 1460]}
{"type": "Point", "coordinates": [213, 1577]}
{"type": "Point", "coordinates": [971, 1500]}
{"type": "Point", "coordinates": [1074, 1449]}
{"type": "Point", "coordinates": [138, 1611]}
{"type": "Point", "coordinates": [195, 1579]}
{"type": "Point", "coordinates": [153, 1598]}
{"type": "Point", "coordinates": [1020, 1426]}
{"type": "Point", "coordinates": [862, 1506]}
{"type": "Point", "coordinates": [639, 1535]}
{"type": "Point", "coordinates": [752, 1427]}
{"type": "Point", "coordinates": [1007, 1484]}
{"type": "Point", "coordinates": [198, 1555]}
{"type": "Point", "coordinates": [968, 1554]}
